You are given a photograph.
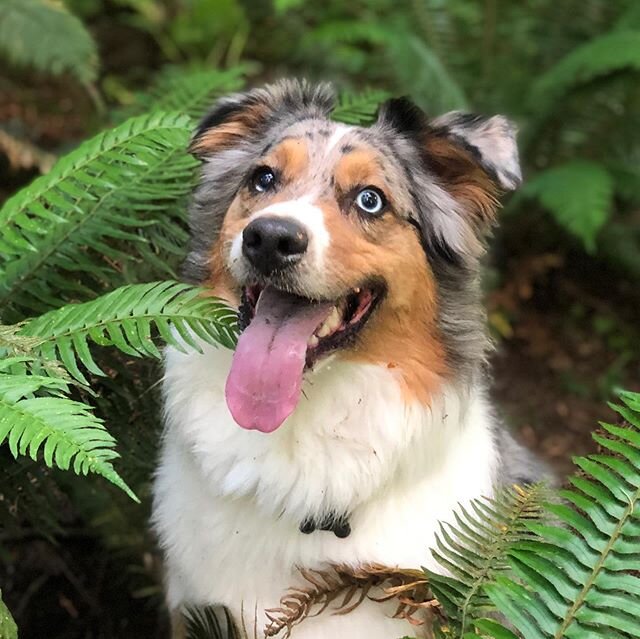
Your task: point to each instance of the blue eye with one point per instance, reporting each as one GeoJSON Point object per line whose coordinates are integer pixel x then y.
{"type": "Point", "coordinates": [263, 179]}
{"type": "Point", "coordinates": [370, 201]}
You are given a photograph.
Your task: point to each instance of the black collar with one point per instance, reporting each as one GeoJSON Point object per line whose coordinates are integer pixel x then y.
{"type": "Point", "coordinates": [338, 524]}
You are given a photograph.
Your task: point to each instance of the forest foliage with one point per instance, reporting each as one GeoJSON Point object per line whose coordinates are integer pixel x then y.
{"type": "Point", "coordinates": [76, 243]}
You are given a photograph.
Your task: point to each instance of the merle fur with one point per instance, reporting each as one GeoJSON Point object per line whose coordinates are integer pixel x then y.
{"type": "Point", "coordinates": [397, 134]}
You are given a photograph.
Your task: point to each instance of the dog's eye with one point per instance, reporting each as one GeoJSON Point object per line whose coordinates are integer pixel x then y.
{"type": "Point", "coordinates": [370, 201]}
{"type": "Point", "coordinates": [263, 179]}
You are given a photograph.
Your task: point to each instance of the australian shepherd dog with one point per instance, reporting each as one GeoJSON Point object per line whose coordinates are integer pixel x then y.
{"type": "Point", "coordinates": [353, 416]}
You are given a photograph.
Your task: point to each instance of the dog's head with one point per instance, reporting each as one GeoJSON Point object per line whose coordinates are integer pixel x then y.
{"type": "Point", "coordinates": [333, 239]}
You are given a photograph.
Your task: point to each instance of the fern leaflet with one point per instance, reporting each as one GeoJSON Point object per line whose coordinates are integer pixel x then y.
{"type": "Point", "coordinates": [358, 108]}
{"type": "Point", "coordinates": [474, 551]}
{"type": "Point", "coordinates": [8, 628]}
{"type": "Point", "coordinates": [67, 225]}
{"type": "Point", "coordinates": [46, 36]}
{"type": "Point", "coordinates": [190, 91]}
{"type": "Point", "coordinates": [578, 195]}
{"type": "Point", "coordinates": [125, 318]}
{"type": "Point", "coordinates": [578, 581]}
{"type": "Point", "coordinates": [65, 430]}
{"type": "Point", "coordinates": [614, 51]}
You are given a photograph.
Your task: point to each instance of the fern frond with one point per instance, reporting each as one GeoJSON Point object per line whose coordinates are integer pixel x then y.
{"type": "Point", "coordinates": [609, 53]}
{"type": "Point", "coordinates": [45, 36]}
{"type": "Point", "coordinates": [18, 354]}
{"type": "Point", "coordinates": [8, 628]}
{"type": "Point", "coordinates": [209, 623]}
{"type": "Point", "coordinates": [334, 32]}
{"type": "Point", "coordinates": [189, 91]}
{"type": "Point", "coordinates": [579, 196]}
{"type": "Point", "coordinates": [473, 551]}
{"type": "Point", "coordinates": [62, 229]}
{"type": "Point", "coordinates": [580, 580]}
{"type": "Point", "coordinates": [358, 108]}
{"type": "Point", "coordinates": [423, 75]}
{"type": "Point", "coordinates": [125, 319]}
{"type": "Point", "coordinates": [66, 431]}
{"type": "Point", "coordinates": [344, 588]}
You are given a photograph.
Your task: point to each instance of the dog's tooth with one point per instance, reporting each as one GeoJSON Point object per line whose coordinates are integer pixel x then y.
{"type": "Point", "coordinates": [313, 341]}
{"type": "Point", "coordinates": [356, 290]}
{"type": "Point", "coordinates": [325, 329]}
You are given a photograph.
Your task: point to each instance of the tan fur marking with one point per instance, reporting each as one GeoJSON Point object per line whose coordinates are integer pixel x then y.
{"type": "Point", "coordinates": [402, 334]}
{"type": "Point", "coordinates": [291, 157]}
{"type": "Point", "coordinates": [230, 132]}
{"type": "Point", "coordinates": [360, 167]}
{"type": "Point", "coordinates": [464, 178]}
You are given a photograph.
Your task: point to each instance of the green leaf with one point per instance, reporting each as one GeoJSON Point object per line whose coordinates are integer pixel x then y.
{"type": "Point", "coordinates": [358, 108]}
{"type": "Point", "coordinates": [432, 87]}
{"type": "Point", "coordinates": [8, 628]}
{"type": "Point", "coordinates": [282, 6]}
{"type": "Point", "coordinates": [66, 432]}
{"type": "Point", "coordinates": [188, 90]}
{"type": "Point", "coordinates": [61, 235]}
{"type": "Point", "coordinates": [126, 317]}
{"type": "Point", "coordinates": [603, 55]}
{"type": "Point", "coordinates": [476, 550]}
{"type": "Point", "coordinates": [44, 35]}
{"type": "Point", "coordinates": [577, 584]}
{"type": "Point", "coordinates": [578, 195]}
{"type": "Point", "coordinates": [491, 628]}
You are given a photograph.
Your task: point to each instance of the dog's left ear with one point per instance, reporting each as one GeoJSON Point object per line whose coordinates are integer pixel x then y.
{"type": "Point", "coordinates": [474, 158]}
{"type": "Point", "coordinates": [490, 141]}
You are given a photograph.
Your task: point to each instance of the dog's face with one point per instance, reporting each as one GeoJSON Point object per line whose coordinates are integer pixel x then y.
{"type": "Point", "coordinates": [337, 240]}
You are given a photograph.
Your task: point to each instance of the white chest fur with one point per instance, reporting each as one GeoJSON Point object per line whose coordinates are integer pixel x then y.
{"type": "Point", "coordinates": [228, 502]}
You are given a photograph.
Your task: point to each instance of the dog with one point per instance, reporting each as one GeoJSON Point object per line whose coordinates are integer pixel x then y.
{"type": "Point", "coordinates": [353, 416]}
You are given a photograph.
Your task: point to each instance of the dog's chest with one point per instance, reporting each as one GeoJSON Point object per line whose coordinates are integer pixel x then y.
{"type": "Point", "coordinates": [228, 502]}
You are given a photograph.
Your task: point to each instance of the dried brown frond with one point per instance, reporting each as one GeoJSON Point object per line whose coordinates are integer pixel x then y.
{"type": "Point", "coordinates": [346, 587]}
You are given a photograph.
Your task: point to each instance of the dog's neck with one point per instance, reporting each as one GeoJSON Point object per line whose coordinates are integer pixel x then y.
{"type": "Point", "coordinates": [353, 435]}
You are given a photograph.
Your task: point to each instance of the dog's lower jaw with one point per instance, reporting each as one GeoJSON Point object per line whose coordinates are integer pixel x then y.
{"type": "Point", "coordinates": [228, 502]}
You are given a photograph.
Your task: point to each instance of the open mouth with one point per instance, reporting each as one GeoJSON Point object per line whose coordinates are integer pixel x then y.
{"type": "Point", "coordinates": [282, 336]}
{"type": "Point", "coordinates": [347, 316]}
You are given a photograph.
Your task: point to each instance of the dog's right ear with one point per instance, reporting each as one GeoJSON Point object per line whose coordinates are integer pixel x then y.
{"type": "Point", "coordinates": [232, 119]}
{"type": "Point", "coordinates": [246, 116]}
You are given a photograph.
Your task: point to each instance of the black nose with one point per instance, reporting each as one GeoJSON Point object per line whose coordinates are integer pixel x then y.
{"type": "Point", "coordinates": [273, 243]}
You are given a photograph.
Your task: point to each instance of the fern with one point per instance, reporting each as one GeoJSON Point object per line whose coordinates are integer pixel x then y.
{"type": "Point", "coordinates": [614, 51]}
{"type": "Point", "coordinates": [92, 202]}
{"type": "Point", "coordinates": [125, 318]}
{"type": "Point", "coordinates": [209, 623]}
{"type": "Point", "coordinates": [336, 32]}
{"type": "Point", "coordinates": [577, 580]}
{"type": "Point", "coordinates": [190, 91]}
{"type": "Point", "coordinates": [66, 431]}
{"type": "Point", "coordinates": [474, 551]}
{"type": "Point", "coordinates": [358, 108]}
{"type": "Point", "coordinates": [578, 195]}
{"type": "Point", "coordinates": [8, 628]}
{"type": "Point", "coordinates": [43, 35]}
{"type": "Point", "coordinates": [434, 88]}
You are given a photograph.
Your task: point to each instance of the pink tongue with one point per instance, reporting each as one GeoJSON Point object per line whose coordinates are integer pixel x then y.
{"type": "Point", "coordinates": [263, 387]}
